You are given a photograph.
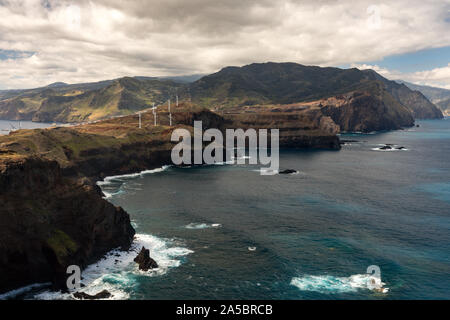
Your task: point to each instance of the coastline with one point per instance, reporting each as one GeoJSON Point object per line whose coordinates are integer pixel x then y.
{"type": "Point", "coordinates": [84, 156]}
{"type": "Point", "coordinates": [162, 249]}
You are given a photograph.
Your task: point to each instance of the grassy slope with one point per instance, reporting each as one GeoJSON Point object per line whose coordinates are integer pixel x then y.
{"type": "Point", "coordinates": [274, 83]}
{"type": "Point", "coordinates": [82, 103]}
{"type": "Point", "coordinates": [255, 84]}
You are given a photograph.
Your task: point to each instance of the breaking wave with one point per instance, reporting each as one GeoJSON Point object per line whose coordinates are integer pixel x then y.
{"type": "Point", "coordinates": [119, 274]}
{"type": "Point", "coordinates": [198, 226]}
{"type": "Point", "coordinates": [111, 186]}
{"type": "Point", "coordinates": [22, 290]}
{"type": "Point", "coordinates": [331, 284]}
{"type": "Point", "coordinates": [389, 148]}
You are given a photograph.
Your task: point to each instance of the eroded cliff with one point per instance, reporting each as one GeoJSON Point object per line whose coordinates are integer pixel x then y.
{"type": "Point", "coordinates": [49, 221]}
{"type": "Point", "coordinates": [53, 214]}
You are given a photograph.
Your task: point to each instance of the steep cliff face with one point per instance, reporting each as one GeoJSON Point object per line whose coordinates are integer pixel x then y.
{"type": "Point", "coordinates": [48, 222]}
{"type": "Point", "coordinates": [415, 101]}
{"type": "Point", "coordinates": [14, 109]}
{"type": "Point", "coordinates": [420, 106]}
{"type": "Point", "coordinates": [362, 112]}
{"type": "Point", "coordinates": [439, 96]}
{"type": "Point", "coordinates": [445, 106]}
{"type": "Point", "coordinates": [299, 126]}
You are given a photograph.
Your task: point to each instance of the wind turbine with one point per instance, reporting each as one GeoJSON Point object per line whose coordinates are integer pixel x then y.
{"type": "Point", "coordinates": [154, 113]}
{"type": "Point", "coordinates": [170, 115]}
{"type": "Point", "coordinates": [140, 120]}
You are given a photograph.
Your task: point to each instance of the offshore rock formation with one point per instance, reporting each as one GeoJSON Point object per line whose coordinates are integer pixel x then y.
{"type": "Point", "coordinates": [144, 261]}
{"type": "Point", "coordinates": [105, 294]}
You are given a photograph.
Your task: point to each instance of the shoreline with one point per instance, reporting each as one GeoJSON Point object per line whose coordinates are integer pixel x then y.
{"type": "Point", "coordinates": [74, 160]}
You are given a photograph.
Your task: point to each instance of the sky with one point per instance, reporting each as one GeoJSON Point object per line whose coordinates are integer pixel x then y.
{"type": "Point", "coordinates": [46, 41]}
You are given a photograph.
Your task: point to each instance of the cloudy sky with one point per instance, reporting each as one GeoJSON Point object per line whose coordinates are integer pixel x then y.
{"type": "Point", "coordinates": [44, 41]}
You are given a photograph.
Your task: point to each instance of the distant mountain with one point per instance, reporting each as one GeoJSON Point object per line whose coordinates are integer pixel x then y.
{"type": "Point", "coordinates": [418, 103]}
{"type": "Point", "coordinates": [184, 79]}
{"type": "Point", "coordinates": [439, 96]}
{"type": "Point", "coordinates": [434, 94]}
{"type": "Point", "coordinates": [179, 79]}
{"type": "Point", "coordinates": [86, 102]}
{"type": "Point", "coordinates": [57, 85]}
{"type": "Point", "coordinates": [444, 106]}
{"type": "Point", "coordinates": [284, 83]}
{"type": "Point", "coordinates": [366, 95]}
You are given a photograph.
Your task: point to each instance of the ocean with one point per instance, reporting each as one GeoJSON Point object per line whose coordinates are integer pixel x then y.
{"type": "Point", "coordinates": [227, 232]}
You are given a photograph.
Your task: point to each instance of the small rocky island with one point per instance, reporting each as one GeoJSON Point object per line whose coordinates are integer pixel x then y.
{"type": "Point", "coordinates": [144, 261]}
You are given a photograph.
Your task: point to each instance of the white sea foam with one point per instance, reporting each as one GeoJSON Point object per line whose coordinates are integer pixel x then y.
{"type": "Point", "coordinates": [124, 177]}
{"type": "Point", "coordinates": [332, 284]}
{"type": "Point", "coordinates": [109, 195]}
{"type": "Point", "coordinates": [265, 171]}
{"type": "Point", "coordinates": [202, 225]}
{"type": "Point", "coordinates": [389, 150]}
{"type": "Point", "coordinates": [14, 293]}
{"type": "Point", "coordinates": [120, 179]}
{"type": "Point", "coordinates": [117, 272]}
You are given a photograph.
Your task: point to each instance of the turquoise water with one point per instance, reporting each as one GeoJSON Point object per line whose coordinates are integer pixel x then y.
{"type": "Point", "coordinates": [226, 232]}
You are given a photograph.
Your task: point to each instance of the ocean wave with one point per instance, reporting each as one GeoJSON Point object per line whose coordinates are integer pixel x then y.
{"type": "Point", "coordinates": [111, 194]}
{"type": "Point", "coordinates": [198, 226]}
{"type": "Point", "coordinates": [14, 293]}
{"type": "Point", "coordinates": [265, 171]}
{"type": "Point", "coordinates": [112, 185]}
{"type": "Point", "coordinates": [124, 177]}
{"type": "Point", "coordinates": [118, 273]}
{"type": "Point", "coordinates": [232, 161]}
{"type": "Point", "coordinates": [389, 150]}
{"type": "Point", "coordinates": [394, 147]}
{"type": "Point", "coordinates": [331, 284]}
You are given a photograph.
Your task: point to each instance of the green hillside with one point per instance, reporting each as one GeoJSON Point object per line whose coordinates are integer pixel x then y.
{"type": "Point", "coordinates": [78, 103]}
{"type": "Point", "coordinates": [284, 83]}
{"type": "Point", "coordinates": [255, 84]}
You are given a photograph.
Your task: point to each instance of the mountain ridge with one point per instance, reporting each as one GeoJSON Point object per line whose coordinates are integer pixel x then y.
{"type": "Point", "coordinates": [255, 84]}
{"type": "Point", "coordinates": [439, 96]}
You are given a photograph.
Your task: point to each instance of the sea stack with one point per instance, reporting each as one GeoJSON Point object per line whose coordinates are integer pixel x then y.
{"type": "Point", "coordinates": [144, 261]}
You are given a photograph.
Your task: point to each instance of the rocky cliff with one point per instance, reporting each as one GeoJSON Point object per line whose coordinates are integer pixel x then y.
{"type": "Point", "coordinates": [53, 214]}
{"type": "Point", "coordinates": [363, 112]}
{"type": "Point", "coordinates": [415, 101]}
{"type": "Point", "coordinates": [49, 221]}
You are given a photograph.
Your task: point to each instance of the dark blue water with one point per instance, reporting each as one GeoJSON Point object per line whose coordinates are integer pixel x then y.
{"type": "Point", "coordinates": [314, 234]}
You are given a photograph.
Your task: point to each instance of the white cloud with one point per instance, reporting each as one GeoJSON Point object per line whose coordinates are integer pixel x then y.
{"type": "Point", "coordinates": [438, 77]}
{"type": "Point", "coordinates": [86, 40]}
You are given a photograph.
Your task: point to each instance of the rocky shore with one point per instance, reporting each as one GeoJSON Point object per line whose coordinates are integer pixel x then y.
{"type": "Point", "coordinates": [53, 214]}
{"type": "Point", "coordinates": [49, 221]}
